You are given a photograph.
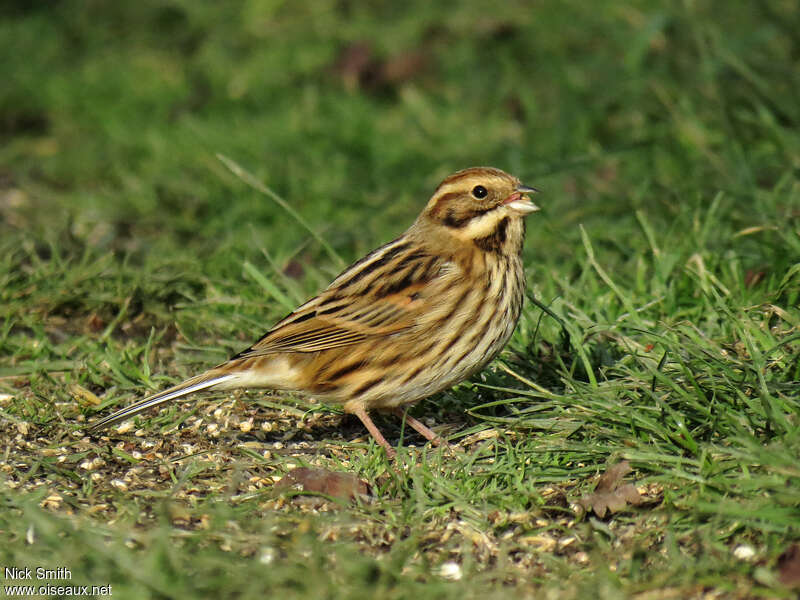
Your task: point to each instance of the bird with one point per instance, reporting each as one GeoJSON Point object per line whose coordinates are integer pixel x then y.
{"type": "Point", "coordinates": [411, 318]}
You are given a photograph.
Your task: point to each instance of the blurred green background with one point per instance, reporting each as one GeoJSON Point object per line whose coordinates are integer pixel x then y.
{"type": "Point", "coordinates": [133, 251]}
{"type": "Point", "coordinates": [112, 114]}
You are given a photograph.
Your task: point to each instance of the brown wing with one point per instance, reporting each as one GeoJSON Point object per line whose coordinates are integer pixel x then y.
{"type": "Point", "coordinates": [382, 294]}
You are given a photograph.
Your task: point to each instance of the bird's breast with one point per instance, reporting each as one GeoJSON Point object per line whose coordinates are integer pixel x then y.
{"type": "Point", "coordinates": [468, 319]}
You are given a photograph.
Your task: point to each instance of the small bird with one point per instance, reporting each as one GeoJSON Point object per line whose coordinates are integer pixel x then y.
{"type": "Point", "coordinates": [410, 319]}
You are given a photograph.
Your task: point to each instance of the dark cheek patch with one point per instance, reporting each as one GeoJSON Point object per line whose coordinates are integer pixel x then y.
{"type": "Point", "coordinates": [457, 217]}
{"type": "Point", "coordinates": [451, 219]}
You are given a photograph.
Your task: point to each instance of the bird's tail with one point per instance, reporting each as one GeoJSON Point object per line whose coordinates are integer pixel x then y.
{"type": "Point", "coordinates": [204, 381]}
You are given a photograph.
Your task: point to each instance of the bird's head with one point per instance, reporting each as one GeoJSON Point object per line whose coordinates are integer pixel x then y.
{"type": "Point", "coordinates": [478, 203]}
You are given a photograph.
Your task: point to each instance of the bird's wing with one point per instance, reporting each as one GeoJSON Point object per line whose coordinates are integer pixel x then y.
{"type": "Point", "coordinates": [383, 294]}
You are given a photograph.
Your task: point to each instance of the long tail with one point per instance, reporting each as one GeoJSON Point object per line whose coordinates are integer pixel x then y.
{"type": "Point", "coordinates": [203, 381]}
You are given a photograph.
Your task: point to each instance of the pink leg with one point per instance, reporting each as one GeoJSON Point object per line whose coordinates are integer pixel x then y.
{"type": "Point", "coordinates": [429, 435]}
{"type": "Point", "coordinates": [375, 433]}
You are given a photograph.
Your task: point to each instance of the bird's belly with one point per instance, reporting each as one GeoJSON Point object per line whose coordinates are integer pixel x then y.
{"type": "Point", "coordinates": [449, 369]}
{"type": "Point", "coordinates": [400, 370]}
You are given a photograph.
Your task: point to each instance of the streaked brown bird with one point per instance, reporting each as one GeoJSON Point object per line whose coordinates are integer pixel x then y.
{"type": "Point", "coordinates": [410, 319]}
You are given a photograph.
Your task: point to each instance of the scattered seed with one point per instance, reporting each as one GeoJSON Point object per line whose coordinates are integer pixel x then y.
{"type": "Point", "coordinates": [744, 552]}
{"type": "Point", "coordinates": [450, 571]}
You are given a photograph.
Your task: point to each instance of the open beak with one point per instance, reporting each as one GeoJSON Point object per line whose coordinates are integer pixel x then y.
{"type": "Point", "coordinates": [519, 202]}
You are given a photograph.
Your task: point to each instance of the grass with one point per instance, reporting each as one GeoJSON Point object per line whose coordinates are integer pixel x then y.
{"type": "Point", "coordinates": [175, 176]}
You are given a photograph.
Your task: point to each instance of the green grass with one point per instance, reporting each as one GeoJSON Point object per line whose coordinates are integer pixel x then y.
{"type": "Point", "coordinates": [148, 153]}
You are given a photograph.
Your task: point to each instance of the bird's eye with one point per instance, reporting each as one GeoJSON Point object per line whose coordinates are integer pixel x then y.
{"type": "Point", "coordinates": [479, 191]}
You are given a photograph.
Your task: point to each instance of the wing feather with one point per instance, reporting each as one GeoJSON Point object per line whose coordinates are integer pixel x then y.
{"type": "Point", "coordinates": [362, 302]}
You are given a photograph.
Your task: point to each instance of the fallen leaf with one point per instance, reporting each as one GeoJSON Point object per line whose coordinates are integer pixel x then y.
{"type": "Point", "coordinates": [401, 68]}
{"type": "Point", "coordinates": [344, 486]}
{"type": "Point", "coordinates": [359, 67]}
{"type": "Point", "coordinates": [789, 566]}
{"type": "Point", "coordinates": [355, 64]}
{"type": "Point", "coordinates": [294, 270]}
{"type": "Point", "coordinates": [609, 495]}
{"type": "Point", "coordinates": [95, 323]}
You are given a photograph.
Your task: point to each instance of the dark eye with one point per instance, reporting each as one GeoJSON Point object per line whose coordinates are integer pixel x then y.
{"type": "Point", "coordinates": [479, 191]}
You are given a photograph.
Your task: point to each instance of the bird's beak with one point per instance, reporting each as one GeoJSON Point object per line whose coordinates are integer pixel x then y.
{"type": "Point", "coordinates": [519, 202]}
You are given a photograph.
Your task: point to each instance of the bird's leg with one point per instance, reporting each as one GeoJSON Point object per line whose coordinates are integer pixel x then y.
{"type": "Point", "coordinates": [375, 432]}
{"type": "Point", "coordinates": [429, 435]}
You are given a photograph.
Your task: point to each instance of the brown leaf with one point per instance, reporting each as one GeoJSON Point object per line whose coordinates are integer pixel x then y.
{"type": "Point", "coordinates": [95, 323]}
{"type": "Point", "coordinates": [355, 64]}
{"type": "Point", "coordinates": [789, 566]}
{"type": "Point", "coordinates": [344, 486]}
{"type": "Point", "coordinates": [359, 67]}
{"type": "Point", "coordinates": [609, 496]}
{"type": "Point", "coordinates": [613, 475]}
{"type": "Point", "coordinates": [294, 270]}
{"type": "Point", "coordinates": [401, 68]}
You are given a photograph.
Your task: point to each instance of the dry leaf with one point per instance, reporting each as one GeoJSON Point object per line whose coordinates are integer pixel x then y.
{"type": "Point", "coordinates": [95, 323]}
{"type": "Point", "coordinates": [401, 68]}
{"type": "Point", "coordinates": [359, 67]}
{"type": "Point", "coordinates": [294, 270]}
{"type": "Point", "coordinates": [789, 566]}
{"type": "Point", "coordinates": [609, 496]}
{"type": "Point", "coordinates": [344, 486]}
{"type": "Point", "coordinates": [355, 64]}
